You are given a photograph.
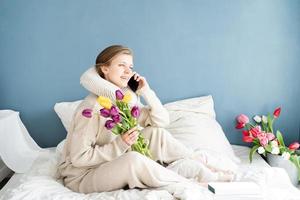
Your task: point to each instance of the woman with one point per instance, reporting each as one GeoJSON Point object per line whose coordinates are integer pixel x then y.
{"type": "Point", "coordinates": [94, 159]}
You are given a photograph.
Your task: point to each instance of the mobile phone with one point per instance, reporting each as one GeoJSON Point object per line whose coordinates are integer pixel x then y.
{"type": "Point", "coordinates": [133, 84]}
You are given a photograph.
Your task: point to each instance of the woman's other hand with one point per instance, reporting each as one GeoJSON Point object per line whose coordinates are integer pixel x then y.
{"type": "Point", "coordinates": [131, 136]}
{"type": "Point", "coordinates": [142, 81]}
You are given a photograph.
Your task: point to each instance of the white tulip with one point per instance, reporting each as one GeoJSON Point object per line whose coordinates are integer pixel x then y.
{"type": "Point", "coordinates": [264, 119]}
{"type": "Point", "coordinates": [274, 143]}
{"type": "Point", "coordinates": [261, 150]}
{"type": "Point", "coordinates": [257, 118]}
{"type": "Point", "coordinates": [275, 150]}
{"type": "Point", "coordinates": [286, 155]}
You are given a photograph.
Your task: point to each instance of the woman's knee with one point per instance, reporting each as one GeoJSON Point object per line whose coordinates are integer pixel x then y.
{"type": "Point", "coordinates": [134, 158]}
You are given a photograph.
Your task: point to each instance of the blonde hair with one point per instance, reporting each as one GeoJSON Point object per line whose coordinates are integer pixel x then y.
{"type": "Point", "coordinates": [107, 55]}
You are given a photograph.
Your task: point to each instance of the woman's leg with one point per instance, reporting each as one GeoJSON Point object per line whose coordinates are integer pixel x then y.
{"type": "Point", "coordinates": [166, 149]}
{"type": "Point", "coordinates": [163, 146]}
{"type": "Point", "coordinates": [132, 169]}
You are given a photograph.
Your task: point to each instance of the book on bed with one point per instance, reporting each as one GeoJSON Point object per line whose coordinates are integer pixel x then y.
{"type": "Point", "coordinates": [235, 190]}
{"type": "Point", "coordinates": [238, 197]}
{"type": "Point", "coordinates": [223, 188]}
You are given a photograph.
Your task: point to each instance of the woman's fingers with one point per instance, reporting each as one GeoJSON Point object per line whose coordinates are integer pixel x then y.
{"type": "Point", "coordinates": [134, 137]}
{"type": "Point", "coordinates": [131, 136]}
{"type": "Point", "coordinates": [131, 130]}
{"type": "Point", "coordinates": [142, 81]}
{"type": "Point", "coordinates": [136, 75]}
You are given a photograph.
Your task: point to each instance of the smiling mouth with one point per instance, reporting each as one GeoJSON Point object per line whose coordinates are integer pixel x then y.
{"type": "Point", "coordinates": [125, 78]}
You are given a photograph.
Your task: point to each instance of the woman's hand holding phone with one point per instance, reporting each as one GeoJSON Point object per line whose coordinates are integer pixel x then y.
{"type": "Point", "coordinates": [137, 82]}
{"type": "Point", "coordinates": [141, 80]}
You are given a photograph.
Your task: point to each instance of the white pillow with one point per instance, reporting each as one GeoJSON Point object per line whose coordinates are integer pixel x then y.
{"type": "Point", "coordinates": [192, 121]}
{"type": "Point", "coordinates": [65, 111]}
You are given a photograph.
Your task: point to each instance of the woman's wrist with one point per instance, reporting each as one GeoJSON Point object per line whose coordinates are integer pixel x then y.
{"type": "Point", "coordinates": [143, 91]}
{"type": "Point", "coordinates": [122, 144]}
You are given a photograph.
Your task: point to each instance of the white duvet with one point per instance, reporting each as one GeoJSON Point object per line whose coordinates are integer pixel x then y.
{"type": "Point", "coordinates": [39, 183]}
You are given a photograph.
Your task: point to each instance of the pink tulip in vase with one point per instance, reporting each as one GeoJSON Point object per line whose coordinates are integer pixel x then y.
{"type": "Point", "coordinates": [264, 142]}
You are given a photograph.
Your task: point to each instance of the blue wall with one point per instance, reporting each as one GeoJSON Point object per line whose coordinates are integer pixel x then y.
{"type": "Point", "coordinates": [244, 53]}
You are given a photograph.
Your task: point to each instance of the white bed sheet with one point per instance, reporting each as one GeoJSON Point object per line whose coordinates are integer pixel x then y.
{"type": "Point", "coordinates": [279, 187]}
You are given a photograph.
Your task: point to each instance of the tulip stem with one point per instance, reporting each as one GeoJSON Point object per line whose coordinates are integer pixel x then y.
{"type": "Point", "coordinates": [251, 125]}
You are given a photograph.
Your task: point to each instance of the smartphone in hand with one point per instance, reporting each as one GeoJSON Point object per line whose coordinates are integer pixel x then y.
{"type": "Point", "coordinates": [133, 84]}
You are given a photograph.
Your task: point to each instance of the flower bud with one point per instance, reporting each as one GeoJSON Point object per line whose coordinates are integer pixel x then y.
{"type": "Point", "coordinates": [255, 131]}
{"type": "Point", "coordinates": [135, 112]}
{"type": "Point", "coordinates": [87, 113]}
{"type": "Point", "coordinates": [257, 119]}
{"type": "Point", "coordinates": [277, 112]}
{"type": "Point", "coordinates": [286, 155]}
{"type": "Point", "coordinates": [247, 139]}
{"type": "Point", "coordinates": [274, 143]}
{"type": "Point", "coordinates": [116, 118]}
{"type": "Point", "coordinates": [114, 111]}
{"type": "Point", "coordinates": [119, 95]}
{"type": "Point", "coordinates": [263, 141]}
{"type": "Point", "coordinates": [239, 126]}
{"type": "Point", "coordinates": [109, 124]}
{"type": "Point", "coordinates": [245, 133]}
{"type": "Point", "coordinates": [294, 146]}
{"type": "Point", "coordinates": [104, 102]}
{"type": "Point", "coordinates": [261, 150]}
{"type": "Point", "coordinates": [127, 97]}
{"type": "Point", "coordinates": [270, 136]}
{"type": "Point", "coordinates": [242, 119]}
{"type": "Point", "coordinates": [275, 150]}
{"type": "Point", "coordinates": [264, 119]}
{"type": "Point", "coordinates": [104, 112]}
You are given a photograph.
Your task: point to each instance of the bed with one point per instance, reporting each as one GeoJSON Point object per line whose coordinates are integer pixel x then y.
{"type": "Point", "coordinates": [39, 181]}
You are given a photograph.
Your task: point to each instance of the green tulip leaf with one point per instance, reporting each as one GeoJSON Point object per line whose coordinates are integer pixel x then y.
{"type": "Point", "coordinates": [270, 123]}
{"type": "Point", "coordinates": [280, 138]}
{"type": "Point", "coordinates": [252, 151]}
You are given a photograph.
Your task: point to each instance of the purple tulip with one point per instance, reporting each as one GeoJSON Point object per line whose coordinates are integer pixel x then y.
{"type": "Point", "coordinates": [109, 124]}
{"type": "Point", "coordinates": [104, 112]}
{"type": "Point", "coordinates": [119, 95]}
{"type": "Point", "coordinates": [114, 111]}
{"type": "Point", "coordinates": [135, 112]}
{"type": "Point", "coordinates": [116, 118]}
{"type": "Point", "coordinates": [87, 113]}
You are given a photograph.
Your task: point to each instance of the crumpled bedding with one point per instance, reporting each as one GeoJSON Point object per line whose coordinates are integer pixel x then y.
{"type": "Point", "coordinates": [40, 183]}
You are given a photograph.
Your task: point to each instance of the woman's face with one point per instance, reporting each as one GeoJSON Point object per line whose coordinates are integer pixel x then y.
{"type": "Point", "coordinates": [120, 70]}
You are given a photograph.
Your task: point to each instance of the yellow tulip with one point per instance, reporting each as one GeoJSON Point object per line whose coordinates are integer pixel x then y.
{"type": "Point", "coordinates": [127, 97]}
{"type": "Point", "coordinates": [104, 102]}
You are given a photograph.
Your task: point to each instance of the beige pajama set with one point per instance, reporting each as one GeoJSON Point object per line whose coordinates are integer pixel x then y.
{"type": "Point", "coordinates": [96, 160]}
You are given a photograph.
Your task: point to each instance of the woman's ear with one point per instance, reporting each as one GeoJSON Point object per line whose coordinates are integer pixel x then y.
{"type": "Point", "coordinates": [104, 69]}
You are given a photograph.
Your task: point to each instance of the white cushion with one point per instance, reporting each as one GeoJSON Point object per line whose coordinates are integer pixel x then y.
{"type": "Point", "coordinates": [65, 111]}
{"type": "Point", "coordinates": [192, 121]}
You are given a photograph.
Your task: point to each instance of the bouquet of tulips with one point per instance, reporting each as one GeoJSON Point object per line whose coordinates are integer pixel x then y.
{"type": "Point", "coordinates": [121, 118]}
{"type": "Point", "coordinates": [261, 135]}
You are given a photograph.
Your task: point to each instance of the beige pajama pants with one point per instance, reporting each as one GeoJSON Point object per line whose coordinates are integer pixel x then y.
{"type": "Point", "coordinates": [136, 170]}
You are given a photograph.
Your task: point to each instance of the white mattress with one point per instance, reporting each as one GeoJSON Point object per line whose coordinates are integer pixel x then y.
{"type": "Point", "coordinates": [13, 182]}
{"type": "Point", "coordinates": [241, 151]}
